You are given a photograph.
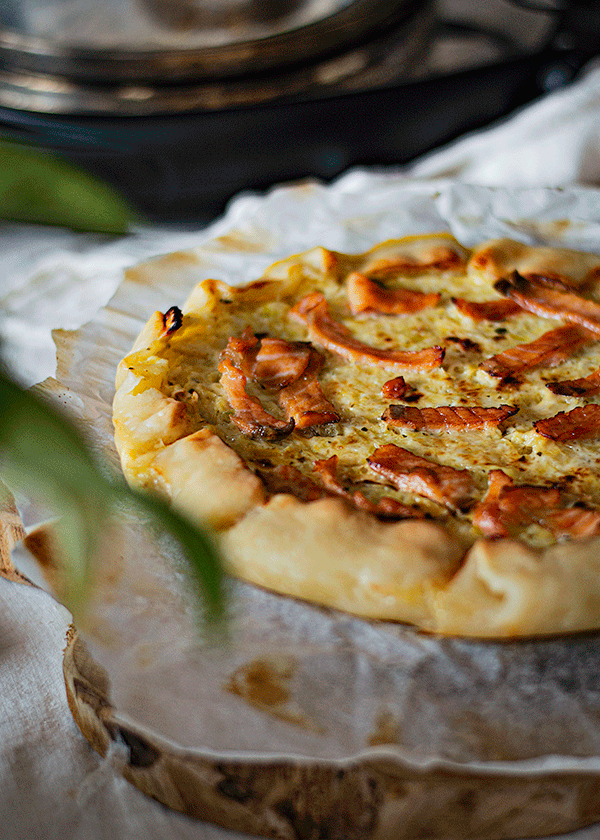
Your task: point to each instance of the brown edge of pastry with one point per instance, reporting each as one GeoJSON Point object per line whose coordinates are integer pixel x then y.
{"type": "Point", "coordinates": [11, 533]}
{"type": "Point", "coordinates": [371, 798]}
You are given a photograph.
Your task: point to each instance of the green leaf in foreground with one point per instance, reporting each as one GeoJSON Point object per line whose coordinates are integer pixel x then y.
{"type": "Point", "coordinates": [38, 188]}
{"type": "Point", "coordinates": [43, 452]}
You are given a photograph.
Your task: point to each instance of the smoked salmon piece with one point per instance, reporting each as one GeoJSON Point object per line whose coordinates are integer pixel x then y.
{"type": "Point", "coordinates": [439, 258]}
{"type": "Point", "coordinates": [385, 508]}
{"type": "Point", "coordinates": [334, 336]}
{"type": "Point", "coordinates": [586, 386]}
{"type": "Point", "coordinates": [549, 298]}
{"type": "Point", "coordinates": [290, 367]}
{"type": "Point", "coordinates": [576, 522]}
{"type": "Point", "coordinates": [287, 479]}
{"type": "Point", "coordinates": [488, 310]}
{"type": "Point", "coordinates": [249, 415]}
{"type": "Point", "coordinates": [304, 402]}
{"type": "Point", "coordinates": [449, 418]}
{"type": "Point", "coordinates": [582, 422]}
{"type": "Point", "coordinates": [367, 295]}
{"type": "Point", "coordinates": [279, 362]}
{"type": "Point", "coordinates": [272, 362]}
{"type": "Point", "coordinates": [445, 485]}
{"type": "Point", "coordinates": [507, 505]}
{"type": "Point", "coordinates": [399, 389]}
{"type": "Point", "coordinates": [551, 348]}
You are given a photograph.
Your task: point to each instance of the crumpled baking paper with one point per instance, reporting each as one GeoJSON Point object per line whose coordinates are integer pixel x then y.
{"type": "Point", "coordinates": [350, 688]}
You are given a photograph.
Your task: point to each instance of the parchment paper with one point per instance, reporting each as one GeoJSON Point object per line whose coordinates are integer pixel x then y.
{"type": "Point", "coordinates": [348, 688]}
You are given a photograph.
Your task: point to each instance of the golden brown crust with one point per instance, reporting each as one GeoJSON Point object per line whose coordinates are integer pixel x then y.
{"type": "Point", "coordinates": [325, 541]}
{"type": "Point", "coordinates": [498, 258]}
{"type": "Point", "coordinates": [206, 479]}
{"type": "Point", "coordinates": [322, 551]}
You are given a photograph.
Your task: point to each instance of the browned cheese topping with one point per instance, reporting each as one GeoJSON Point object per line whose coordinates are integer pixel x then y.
{"type": "Point", "coordinates": [445, 485]}
{"type": "Point", "coordinates": [450, 418]}
{"type": "Point", "coordinates": [334, 336]}
{"type": "Point", "coordinates": [367, 295]}
{"type": "Point", "coordinates": [581, 422]}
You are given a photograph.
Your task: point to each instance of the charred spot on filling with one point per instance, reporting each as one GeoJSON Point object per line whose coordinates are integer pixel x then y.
{"type": "Point", "coordinates": [413, 397]}
{"type": "Point", "coordinates": [172, 320]}
{"type": "Point", "coordinates": [465, 344]}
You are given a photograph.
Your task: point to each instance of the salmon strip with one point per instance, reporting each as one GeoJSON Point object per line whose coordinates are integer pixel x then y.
{"type": "Point", "coordinates": [575, 522]}
{"type": "Point", "coordinates": [580, 423]}
{"type": "Point", "coordinates": [586, 386]}
{"type": "Point", "coordinates": [549, 349]}
{"type": "Point", "coordinates": [272, 362]}
{"type": "Point", "coordinates": [367, 295]}
{"type": "Point", "coordinates": [507, 506]}
{"type": "Point", "coordinates": [385, 508]}
{"type": "Point", "coordinates": [329, 333]}
{"type": "Point", "coordinates": [488, 310]}
{"type": "Point", "coordinates": [449, 418]}
{"type": "Point", "coordinates": [395, 389]}
{"type": "Point", "coordinates": [549, 298]}
{"type": "Point", "coordinates": [287, 479]}
{"type": "Point", "coordinates": [280, 362]}
{"type": "Point", "coordinates": [249, 415]}
{"type": "Point", "coordinates": [241, 351]}
{"type": "Point", "coordinates": [304, 402]}
{"type": "Point", "coordinates": [445, 485]}
{"type": "Point", "coordinates": [288, 367]}
{"type": "Point", "coordinates": [398, 389]}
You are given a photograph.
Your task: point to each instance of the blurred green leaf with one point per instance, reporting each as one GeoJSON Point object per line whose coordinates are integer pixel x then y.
{"type": "Point", "coordinates": [38, 188]}
{"type": "Point", "coordinates": [44, 453]}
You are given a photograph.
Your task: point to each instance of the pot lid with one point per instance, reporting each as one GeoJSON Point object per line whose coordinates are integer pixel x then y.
{"type": "Point", "coordinates": [179, 40]}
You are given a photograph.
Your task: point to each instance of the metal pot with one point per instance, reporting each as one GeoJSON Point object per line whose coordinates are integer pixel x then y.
{"type": "Point", "coordinates": [182, 41]}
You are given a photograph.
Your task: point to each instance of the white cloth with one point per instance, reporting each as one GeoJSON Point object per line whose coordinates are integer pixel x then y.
{"type": "Point", "coordinates": [52, 784]}
{"type": "Point", "coordinates": [551, 143]}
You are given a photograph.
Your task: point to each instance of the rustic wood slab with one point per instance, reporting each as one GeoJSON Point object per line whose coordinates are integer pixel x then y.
{"type": "Point", "coordinates": [369, 799]}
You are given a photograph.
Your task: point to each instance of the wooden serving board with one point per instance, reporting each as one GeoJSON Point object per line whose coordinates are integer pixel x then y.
{"type": "Point", "coordinates": [376, 799]}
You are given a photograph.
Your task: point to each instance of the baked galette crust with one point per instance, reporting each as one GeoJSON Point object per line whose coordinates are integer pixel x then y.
{"type": "Point", "coordinates": [362, 511]}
